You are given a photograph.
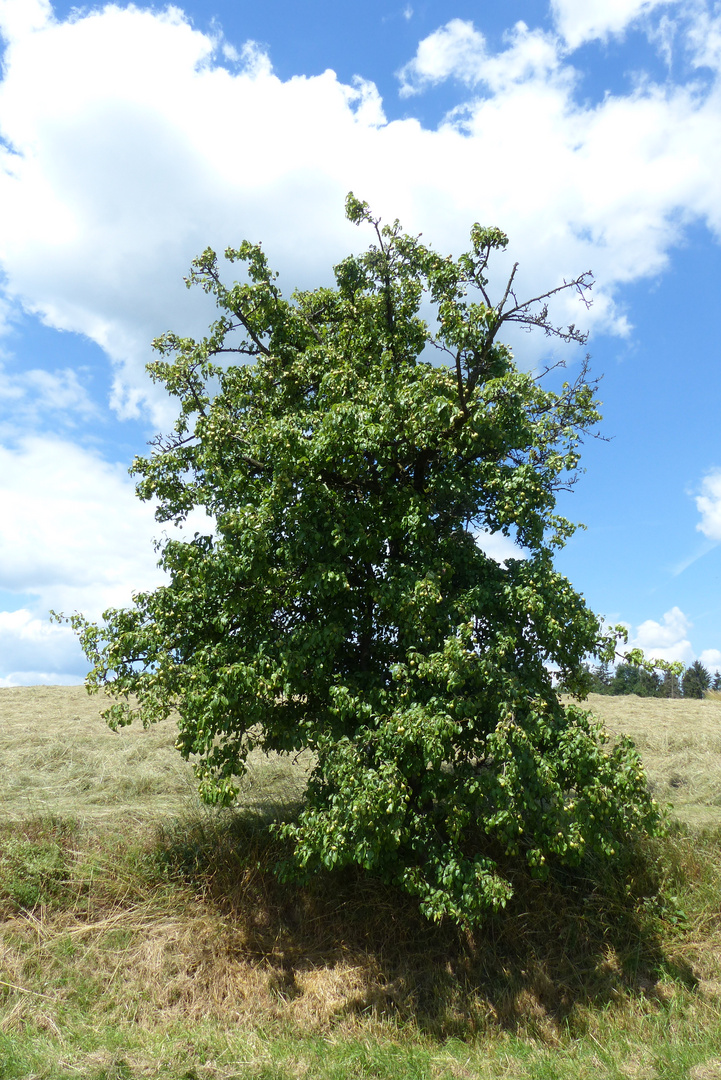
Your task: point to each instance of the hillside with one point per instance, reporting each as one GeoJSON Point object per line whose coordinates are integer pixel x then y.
{"type": "Point", "coordinates": [59, 756]}
{"type": "Point", "coordinates": [144, 936]}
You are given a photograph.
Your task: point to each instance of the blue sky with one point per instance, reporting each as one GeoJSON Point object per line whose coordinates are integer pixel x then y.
{"type": "Point", "coordinates": [131, 137]}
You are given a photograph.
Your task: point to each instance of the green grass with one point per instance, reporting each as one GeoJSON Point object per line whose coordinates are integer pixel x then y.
{"type": "Point", "coordinates": [145, 939]}
{"type": "Point", "coordinates": [179, 954]}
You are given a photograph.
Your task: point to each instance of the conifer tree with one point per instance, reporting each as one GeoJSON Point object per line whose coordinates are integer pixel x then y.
{"type": "Point", "coordinates": [696, 680]}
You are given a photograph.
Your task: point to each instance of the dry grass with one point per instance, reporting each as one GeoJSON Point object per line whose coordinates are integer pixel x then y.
{"type": "Point", "coordinates": [158, 934]}
{"type": "Point", "coordinates": [190, 952]}
{"type": "Point", "coordinates": [680, 743]}
{"type": "Point", "coordinates": [60, 757]}
{"type": "Point", "coordinates": [128, 940]}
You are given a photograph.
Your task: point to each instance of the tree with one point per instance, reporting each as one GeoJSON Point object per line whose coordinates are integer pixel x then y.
{"type": "Point", "coordinates": [670, 687]}
{"type": "Point", "coordinates": [696, 680]}
{"type": "Point", "coordinates": [601, 679]}
{"type": "Point", "coordinates": [716, 681]}
{"type": "Point", "coordinates": [348, 454]}
{"type": "Point", "coordinates": [624, 679]}
{"type": "Point", "coordinates": [635, 679]}
{"type": "Point", "coordinates": [597, 680]}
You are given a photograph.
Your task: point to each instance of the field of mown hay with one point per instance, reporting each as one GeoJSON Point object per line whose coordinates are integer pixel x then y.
{"type": "Point", "coordinates": [680, 743]}
{"type": "Point", "coordinates": [144, 936]}
{"type": "Point", "coordinates": [59, 757]}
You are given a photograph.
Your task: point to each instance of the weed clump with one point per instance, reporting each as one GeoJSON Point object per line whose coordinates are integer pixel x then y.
{"type": "Point", "coordinates": [36, 863]}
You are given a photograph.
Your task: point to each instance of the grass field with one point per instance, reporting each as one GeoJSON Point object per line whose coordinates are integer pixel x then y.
{"type": "Point", "coordinates": [145, 936]}
{"type": "Point", "coordinates": [680, 742]}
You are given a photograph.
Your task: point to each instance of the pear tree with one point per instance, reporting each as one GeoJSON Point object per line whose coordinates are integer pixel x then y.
{"type": "Point", "coordinates": [350, 453]}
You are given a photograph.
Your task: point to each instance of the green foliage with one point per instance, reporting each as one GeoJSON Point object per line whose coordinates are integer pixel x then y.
{"type": "Point", "coordinates": [600, 679]}
{"type": "Point", "coordinates": [653, 679]}
{"type": "Point", "coordinates": [671, 685]}
{"type": "Point", "coordinates": [34, 867]}
{"type": "Point", "coordinates": [635, 675]}
{"type": "Point", "coordinates": [341, 604]}
{"type": "Point", "coordinates": [30, 872]}
{"type": "Point", "coordinates": [631, 679]}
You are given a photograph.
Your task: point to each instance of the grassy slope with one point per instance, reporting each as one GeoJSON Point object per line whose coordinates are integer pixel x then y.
{"type": "Point", "coordinates": [680, 742]}
{"type": "Point", "coordinates": [143, 936]}
{"type": "Point", "coordinates": [59, 757]}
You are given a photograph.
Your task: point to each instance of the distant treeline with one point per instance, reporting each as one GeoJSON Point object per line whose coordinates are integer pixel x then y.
{"type": "Point", "coordinates": [629, 679]}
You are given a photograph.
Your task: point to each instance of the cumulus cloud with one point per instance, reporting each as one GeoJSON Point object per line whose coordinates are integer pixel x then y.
{"type": "Point", "coordinates": [39, 678]}
{"type": "Point", "coordinates": [711, 658]}
{"type": "Point", "coordinates": [146, 151]}
{"type": "Point", "coordinates": [29, 398]}
{"type": "Point", "coordinates": [253, 56]}
{"type": "Point", "coordinates": [26, 641]}
{"type": "Point", "coordinates": [73, 536]}
{"type": "Point", "coordinates": [704, 39]}
{"type": "Point", "coordinates": [131, 141]}
{"type": "Point", "coordinates": [71, 527]}
{"type": "Point", "coordinates": [708, 504]}
{"type": "Point", "coordinates": [72, 530]}
{"type": "Point", "coordinates": [17, 20]}
{"type": "Point", "coordinates": [456, 49]}
{"type": "Point", "coordinates": [130, 147]}
{"type": "Point", "coordinates": [498, 547]}
{"type": "Point", "coordinates": [665, 640]}
{"type": "Point", "coordinates": [579, 23]}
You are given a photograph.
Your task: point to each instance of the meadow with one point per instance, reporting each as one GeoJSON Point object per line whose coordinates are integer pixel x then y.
{"type": "Point", "coordinates": [144, 935]}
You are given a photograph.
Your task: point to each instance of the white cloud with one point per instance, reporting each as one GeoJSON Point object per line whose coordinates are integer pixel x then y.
{"type": "Point", "coordinates": [26, 640]}
{"type": "Point", "coordinates": [663, 36]}
{"type": "Point", "coordinates": [28, 398]}
{"type": "Point", "coordinates": [711, 658]}
{"type": "Point", "coordinates": [72, 531]}
{"type": "Point", "coordinates": [666, 640]}
{"type": "Point", "coordinates": [531, 55]}
{"type": "Point", "coordinates": [143, 153]}
{"type": "Point", "coordinates": [708, 504]}
{"type": "Point", "coordinates": [704, 38]}
{"type": "Point", "coordinates": [498, 547]}
{"type": "Point", "coordinates": [366, 102]}
{"type": "Point", "coordinates": [129, 148]}
{"type": "Point", "coordinates": [456, 49]}
{"type": "Point", "coordinates": [581, 22]}
{"type": "Point", "coordinates": [254, 57]}
{"type": "Point", "coordinates": [133, 148]}
{"type": "Point", "coordinates": [74, 537]}
{"type": "Point", "coordinates": [18, 19]}
{"type": "Point", "coordinates": [40, 678]}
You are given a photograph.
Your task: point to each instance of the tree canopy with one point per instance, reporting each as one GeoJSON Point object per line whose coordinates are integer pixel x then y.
{"type": "Point", "coordinates": [350, 453]}
{"type": "Point", "coordinates": [651, 678]}
{"type": "Point", "coordinates": [696, 680]}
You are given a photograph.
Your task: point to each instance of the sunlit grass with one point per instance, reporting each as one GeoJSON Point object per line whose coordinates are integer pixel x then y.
{"type": "Point", "coordinates": [680, 742]}
{"type": "Point", "coordinates": [144, 935]}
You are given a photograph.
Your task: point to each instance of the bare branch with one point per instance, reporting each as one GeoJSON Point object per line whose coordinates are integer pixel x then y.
{"type": "Point", "coordinates": [509, 289]}
{"type": "Point", "coordinates": [523, 314]}
{"type": "Point", "coordinates": [459, 380]}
